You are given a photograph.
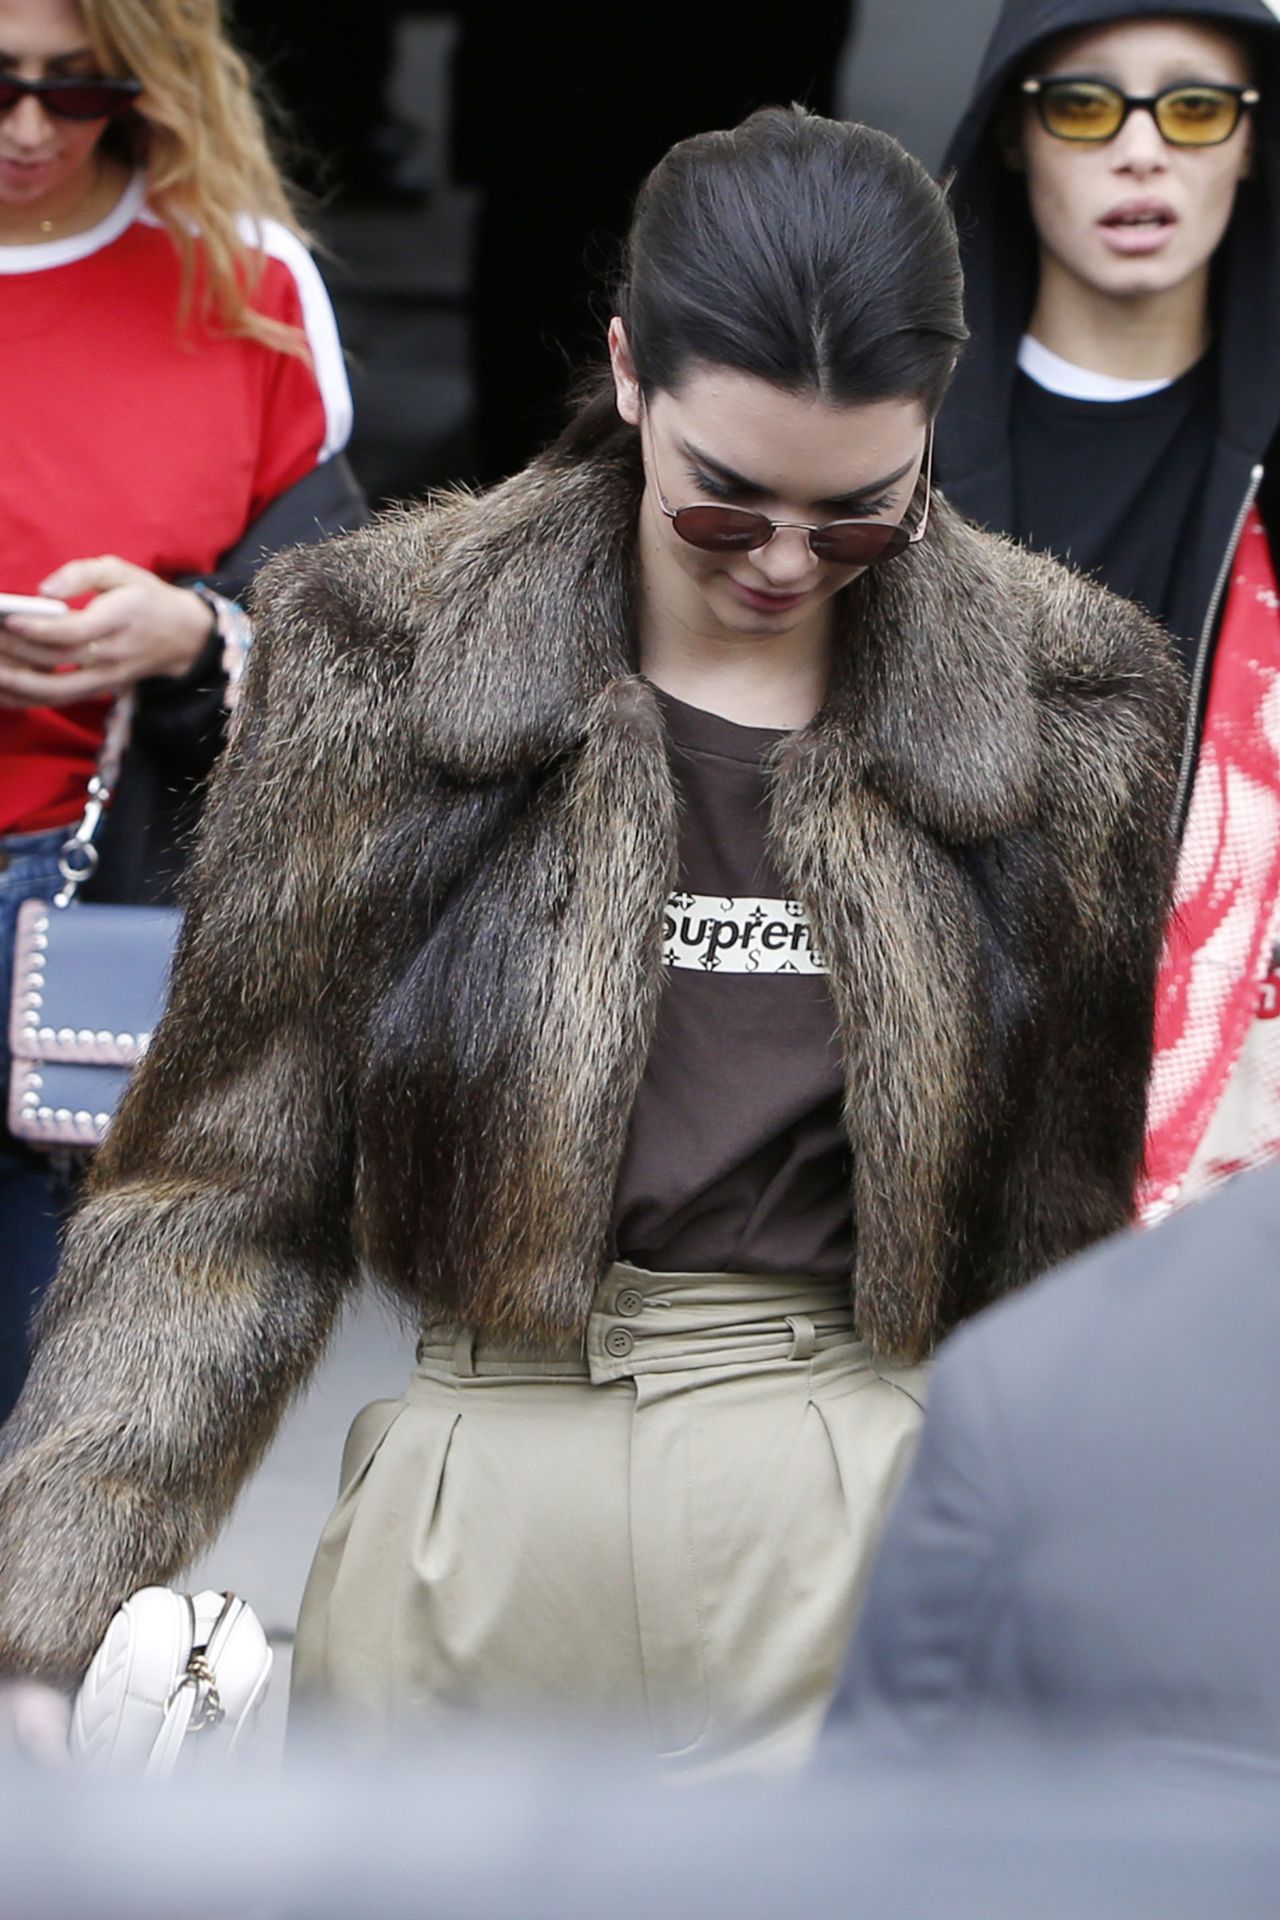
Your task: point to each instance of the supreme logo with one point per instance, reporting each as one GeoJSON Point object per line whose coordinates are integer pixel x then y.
{"type": "Point", "coordinates": [708, 935]}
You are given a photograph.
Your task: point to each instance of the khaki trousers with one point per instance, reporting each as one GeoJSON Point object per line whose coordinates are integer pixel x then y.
{"type": "Point", "coordinates": [665, 1528]}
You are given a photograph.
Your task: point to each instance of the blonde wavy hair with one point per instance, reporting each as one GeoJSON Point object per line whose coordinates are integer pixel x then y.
{"type": "Point", "coordinates": [199, 132]}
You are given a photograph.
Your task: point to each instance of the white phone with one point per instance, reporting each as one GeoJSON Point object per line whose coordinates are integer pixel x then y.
{"type": "Point", "coordinates": [31, 604]}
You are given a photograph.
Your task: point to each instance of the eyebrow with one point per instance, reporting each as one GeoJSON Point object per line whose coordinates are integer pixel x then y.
{"type": "Point", "coordinates": [54, 60]}
{"type": "Point", "coordinates": [1186, 78]}
{"type": "Point", "coordinates": [837, 503]}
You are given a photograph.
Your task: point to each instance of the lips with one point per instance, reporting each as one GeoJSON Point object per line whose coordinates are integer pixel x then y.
{"type": "Point", "coordinates": [1138, 226]}
{"type": "Point", "coordinates": [1141, 213]}
{"type": "Point", "coordinates": [766, 602]}
{"type": "Point", "coordinates": [24, 172]}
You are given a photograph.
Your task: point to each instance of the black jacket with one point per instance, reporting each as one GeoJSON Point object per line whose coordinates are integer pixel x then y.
{"type": "Point", "coordinates": [1086, 1546]}
{"type": "Point", "coordinates": [179, 724]}
{"type": "Point", "coordinates": [974, 448]}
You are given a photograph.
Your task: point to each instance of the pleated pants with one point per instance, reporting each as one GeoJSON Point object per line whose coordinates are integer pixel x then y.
{"type": "Point", "coordinates": [663, 1529]}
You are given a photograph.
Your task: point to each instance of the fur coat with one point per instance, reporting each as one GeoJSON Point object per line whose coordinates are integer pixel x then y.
{"type": "Point", "coordinates": [422, 965]}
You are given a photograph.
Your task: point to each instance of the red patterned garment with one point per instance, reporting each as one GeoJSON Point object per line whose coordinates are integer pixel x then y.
{"type": "Point", "coordinates": [1214, 1104]}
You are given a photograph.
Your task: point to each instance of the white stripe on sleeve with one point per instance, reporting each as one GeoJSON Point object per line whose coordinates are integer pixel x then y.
{"type": "Point", "coordinates": [321, 326]}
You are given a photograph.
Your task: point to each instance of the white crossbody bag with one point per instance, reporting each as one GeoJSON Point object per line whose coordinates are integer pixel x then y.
{"type": "Point", "coordinates": [179, 1679]}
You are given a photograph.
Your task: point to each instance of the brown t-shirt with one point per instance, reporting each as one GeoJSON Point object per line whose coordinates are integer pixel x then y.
{"type": "Point", "coordinates": [736, 1161]}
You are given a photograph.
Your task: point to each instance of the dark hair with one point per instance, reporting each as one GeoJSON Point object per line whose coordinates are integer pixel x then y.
{"type": "Point", "coordinates": [816, 254]}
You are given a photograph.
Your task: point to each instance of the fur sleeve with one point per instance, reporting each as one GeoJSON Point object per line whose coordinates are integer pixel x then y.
{"type": "Point", "coordinates": [1112, 704]}
{"type": "Point", "coordinates": [207, 1263]}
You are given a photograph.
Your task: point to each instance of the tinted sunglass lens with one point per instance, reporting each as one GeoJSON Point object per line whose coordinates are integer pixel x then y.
{"type": "Point", "coordinates": [1198, 116]}
{"type": "Point", "coordinates": [722, 529]}
{"type": "Point", "coordinates": [1082, 110]}
{"type": "Point", "coordinates": [857, 543]}
{"type": "Point", "coordinates": [86, 103]}
{"type": "Point", "coordinates": [71, 100]}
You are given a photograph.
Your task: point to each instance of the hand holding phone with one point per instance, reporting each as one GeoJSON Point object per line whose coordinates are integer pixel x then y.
{"type": "Point", "coordinates": [32, 606]}
{"type": "Point", "coordinates": [136, 625]}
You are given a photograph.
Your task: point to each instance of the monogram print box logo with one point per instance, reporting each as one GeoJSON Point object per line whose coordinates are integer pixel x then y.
{"type": "Point", "coordinates": [709, 935]}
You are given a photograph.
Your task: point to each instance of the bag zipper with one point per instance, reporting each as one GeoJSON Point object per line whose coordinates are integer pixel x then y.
{"type": "Point", "coordinates": [199, 1673]}
{"type": "Point", "coordinates": [1187, 764]}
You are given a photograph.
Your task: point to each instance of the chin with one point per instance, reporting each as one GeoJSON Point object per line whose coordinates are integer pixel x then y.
{"type": "Point", "coordinates": [1139, 279]}
{"type": "Point", "coordinates": [740, 619]}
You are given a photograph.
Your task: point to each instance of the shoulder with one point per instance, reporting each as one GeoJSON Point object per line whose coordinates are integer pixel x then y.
{"type": "Point", "coordinates": [291, 284]}
{"type": "Point", "coordinates": [378, 606]}
{"type": "Point", "coordinates": [1207, 1267]}
{"type": "Point", "coordinates": [1049, 698]}
{"type": "Point", "coordinates": [356, 592]}
{"type": "Point", "coordinates": [462, 572]}
{"type": "Point", "coordinates": [291, 290]}
{"type": "Point", "coordinates": [1071, 624]}
{"type": "Point", "coordinates": [332, 675]}
{"type": "Point", "coordinates": [1101, 1358]}
{"type": "Point", "coordinates": [507, 612]}
{"type": "Point", "coordinates": [1103, 676]}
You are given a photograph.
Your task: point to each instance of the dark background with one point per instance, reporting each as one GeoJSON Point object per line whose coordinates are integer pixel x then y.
{"type": "Point", "coordinates": [469, 174]}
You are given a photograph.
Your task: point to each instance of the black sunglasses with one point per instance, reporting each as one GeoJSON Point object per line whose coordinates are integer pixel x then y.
{"type": "Point", "coordinates": [96, 97]}
{"type": "Point", "coordinates": [847, 543]}
{"type": "Point", "coordinates": [1202, 114]}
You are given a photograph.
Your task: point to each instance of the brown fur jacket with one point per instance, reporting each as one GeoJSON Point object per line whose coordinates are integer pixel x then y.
{"type": "Point", "coordinates": [423, 961]}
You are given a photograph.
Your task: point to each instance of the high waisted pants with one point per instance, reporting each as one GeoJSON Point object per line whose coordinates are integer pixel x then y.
{"type": "Point", "coordinates": [663, 1529]}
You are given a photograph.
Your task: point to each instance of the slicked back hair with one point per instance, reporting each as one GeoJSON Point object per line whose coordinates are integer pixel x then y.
{"type": "Point", "coordinates": [816, 254]}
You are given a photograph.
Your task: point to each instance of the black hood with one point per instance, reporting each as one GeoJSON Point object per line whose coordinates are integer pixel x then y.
{"type": "Point", "coordinates": [998, 244]}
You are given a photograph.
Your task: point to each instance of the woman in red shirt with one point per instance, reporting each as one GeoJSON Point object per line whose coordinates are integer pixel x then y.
{"type": "Point", "coordinates": [175, 400]}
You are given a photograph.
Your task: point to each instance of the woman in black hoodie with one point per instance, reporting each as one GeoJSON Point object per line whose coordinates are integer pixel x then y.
{"type": "Point", "coordinates": [1116, 181]}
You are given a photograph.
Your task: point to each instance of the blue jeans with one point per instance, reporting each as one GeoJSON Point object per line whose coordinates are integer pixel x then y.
{"type": "Point", "coordinates": [35, 1188]}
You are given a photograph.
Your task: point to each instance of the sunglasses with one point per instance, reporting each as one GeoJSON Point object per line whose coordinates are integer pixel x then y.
{"type": "Point", "coordinates": [847, 543]}
{"type": "Point", "coordinates": [1092, 111]}
{"type": "Point", "coordinates": [96, 97]}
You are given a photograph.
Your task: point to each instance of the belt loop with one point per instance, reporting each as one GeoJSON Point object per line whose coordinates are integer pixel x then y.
{"type": "Point", "coordinates": [464, 1354]}
{"type": "Point", "coordinates": [804, 1336]}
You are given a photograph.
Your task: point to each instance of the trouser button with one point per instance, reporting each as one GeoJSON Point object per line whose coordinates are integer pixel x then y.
{"type": "Point", "coordinates": [630, 1302]}
{"type": "Point", "coordinates": [618, 1343]}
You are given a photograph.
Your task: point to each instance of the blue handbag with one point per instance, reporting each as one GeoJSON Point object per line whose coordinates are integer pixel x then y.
{"type": "Point", "coordinates": [89, 985]}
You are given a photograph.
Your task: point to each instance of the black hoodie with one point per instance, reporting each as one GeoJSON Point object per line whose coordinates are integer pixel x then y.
{"type": "Point", "coordinates": [974, 454]}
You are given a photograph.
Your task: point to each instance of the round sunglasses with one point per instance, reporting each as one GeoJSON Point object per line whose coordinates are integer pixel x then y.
{"type": "Point", "coordinates": [846, 543]}
{"type": "Point", "coordinates": [95, 97]}
{"type": "Point", "coordinates": [1202, 114]}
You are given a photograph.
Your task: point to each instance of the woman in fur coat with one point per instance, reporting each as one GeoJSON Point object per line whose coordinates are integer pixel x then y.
{"type": "Point", "coordinates": [685, 922]}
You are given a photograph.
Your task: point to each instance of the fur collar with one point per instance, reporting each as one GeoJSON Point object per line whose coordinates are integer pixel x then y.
{"type": "Point", "coordinates": [516, 610]}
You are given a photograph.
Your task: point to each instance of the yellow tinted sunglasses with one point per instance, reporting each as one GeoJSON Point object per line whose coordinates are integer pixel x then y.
{"type": "Point", "coordinates": [1199, 114]}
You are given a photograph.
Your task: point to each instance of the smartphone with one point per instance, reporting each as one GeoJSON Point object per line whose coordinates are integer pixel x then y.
{"type": "Point", "coordinates": [31, 604]}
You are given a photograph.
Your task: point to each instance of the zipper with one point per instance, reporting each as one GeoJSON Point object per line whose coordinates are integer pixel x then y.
{"type": "Point", "coordinates": [1187, 765]}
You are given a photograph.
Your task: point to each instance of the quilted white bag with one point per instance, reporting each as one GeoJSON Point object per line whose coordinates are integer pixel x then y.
{"type": "Point", "coordinates": [179, 1678]}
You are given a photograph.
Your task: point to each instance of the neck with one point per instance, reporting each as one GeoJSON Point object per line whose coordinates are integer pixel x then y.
{"type": "Point", "coordinates": [1156, 336]}
{"type": "Point", "coordinates": [753, 680]}
{"type": "Point", "coordinates": [751, 685]}
{"type": "Point", "coordinates": [75, 208]}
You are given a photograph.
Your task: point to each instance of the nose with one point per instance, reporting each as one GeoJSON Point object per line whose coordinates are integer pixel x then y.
{"type": "Point", "coordinates": [787, 561]}
{"type": "Point", "coordinates": [1139, 146]}
{"type": "Point", "coordinates": [26, 124]}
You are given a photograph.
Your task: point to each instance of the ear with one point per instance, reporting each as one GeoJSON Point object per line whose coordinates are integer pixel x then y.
{"type": "Point", "coordinates": [626, 385]}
